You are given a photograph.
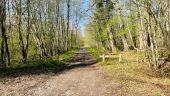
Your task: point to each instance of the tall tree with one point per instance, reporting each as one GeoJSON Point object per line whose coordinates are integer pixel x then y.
{"type": "Point", "coordinates": [4, 42]}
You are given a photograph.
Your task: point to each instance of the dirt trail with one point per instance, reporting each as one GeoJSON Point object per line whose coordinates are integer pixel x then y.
{"type": "Point", "coordinates": [79, 79]}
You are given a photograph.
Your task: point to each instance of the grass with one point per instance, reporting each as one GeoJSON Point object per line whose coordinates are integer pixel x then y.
{"type": "Point", "coordinates": [135, 78]}
{"type": "Point", "coordinates": [94, 52]}
{"type": "Point", "coordinates": [68, 55]}
{"type": "Point", "coordinates": [37, 66]}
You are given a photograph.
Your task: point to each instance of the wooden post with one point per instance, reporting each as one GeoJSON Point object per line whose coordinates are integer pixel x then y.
{"type": "Point", "coordinates": [120, 57]}
{"type": "Point", "coordinates": [103, 57]}
{"type": "Point", "coordinates": [137, 55]}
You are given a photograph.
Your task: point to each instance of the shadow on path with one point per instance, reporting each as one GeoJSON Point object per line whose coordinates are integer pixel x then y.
{"type": "Point", "coordinates": [82, 59]}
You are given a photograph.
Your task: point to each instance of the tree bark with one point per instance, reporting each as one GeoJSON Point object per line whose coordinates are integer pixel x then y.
{"type": "Point", "coordinates": [4, 42]}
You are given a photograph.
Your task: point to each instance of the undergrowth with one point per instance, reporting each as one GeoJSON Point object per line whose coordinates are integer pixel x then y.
{"type": "Point", "coordinates": [136, 79]}
{"type": "Point", "coordinates": [37, 66]}
{"type": "Point", "coordinates": [94, 52]}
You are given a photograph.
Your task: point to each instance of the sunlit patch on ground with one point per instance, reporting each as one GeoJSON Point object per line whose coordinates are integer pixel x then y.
{"type": "Point", "coordinates": [136, 79]}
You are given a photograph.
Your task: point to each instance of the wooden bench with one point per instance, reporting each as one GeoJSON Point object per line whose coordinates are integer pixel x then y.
{"type": "Point", "coordinates": [104, 56]}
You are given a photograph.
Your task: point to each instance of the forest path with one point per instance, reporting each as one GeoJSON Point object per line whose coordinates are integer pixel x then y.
{"type": "Point", "coordinates": [79, 79]}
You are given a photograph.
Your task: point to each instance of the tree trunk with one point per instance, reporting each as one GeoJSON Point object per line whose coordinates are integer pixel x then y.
{"type": "Point", "coordinates": [125, 44]}
{"type": "Point", "coordinates": [68, 26]}
{"type": "Point", "coordinates": [4, 42]}
{"type": "Point", "coordinates": [111, 40]}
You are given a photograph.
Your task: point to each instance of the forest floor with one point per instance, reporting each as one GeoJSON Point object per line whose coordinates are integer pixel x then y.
{"type": "Point", "coordinates": [136, 79]}
{"type": "Point", "coordinates": [82, 77]}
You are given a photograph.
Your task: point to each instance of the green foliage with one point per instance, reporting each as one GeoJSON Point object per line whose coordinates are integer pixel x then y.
{"type": "Point", "coordinates": [94, 52]}
{"type": "Point", "coordinates": [113, 21]}
{"type": "Point", "coordinates": [136, 79]}
{"type": "Point", "coordinates": [89, 38]}
{"type": "Point", "coordinates": [37, 66]}
{"type": "Point", "coordinates": [67, 55]}
{"type": "Point", "coordinates": [46, 23]}
{"type": "Point", "coordinates": [40, 66]}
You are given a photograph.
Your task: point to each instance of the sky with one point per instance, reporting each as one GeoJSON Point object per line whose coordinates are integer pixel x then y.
{"type": "Point", "coordinates": [86, 12]}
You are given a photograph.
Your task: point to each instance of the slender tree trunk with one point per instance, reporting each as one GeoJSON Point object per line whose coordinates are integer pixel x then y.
{"type": "Point", "coordinates": [28, 32]}
{"type": "Point", "coordinates": [4, 42]}
{"type": "Point", "coordinates": [111, 40]}
{"type": "Point", "coordinates": [68, 26]}
{"type": "Point", "coordinates": [125, 44]}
